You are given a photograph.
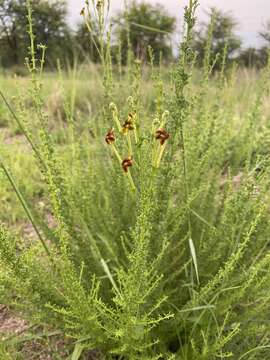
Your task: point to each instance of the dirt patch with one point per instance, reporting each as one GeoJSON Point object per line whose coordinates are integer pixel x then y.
{"type": "Point", "coordinates": [49, 347]}
{"type": "Point", "coordinates": [10, 324]}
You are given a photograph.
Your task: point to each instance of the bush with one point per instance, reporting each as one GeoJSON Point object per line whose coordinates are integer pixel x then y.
{"type": "Point", "coordinates": [158, 248]}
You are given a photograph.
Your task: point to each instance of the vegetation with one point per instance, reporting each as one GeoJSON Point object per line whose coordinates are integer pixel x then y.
{"type": "Point", "coordinates": [145, 25]}
{"type": "Point", "coordinates": [221, 28]}
{"type": "Point", "coordinates": [148, 25]}
{"type": "Point", "coordinates": [49, 19]}
{"type": "Point", "coordinates": [146, 191]}
{"type": "Point", "coordinates": [135, 29]}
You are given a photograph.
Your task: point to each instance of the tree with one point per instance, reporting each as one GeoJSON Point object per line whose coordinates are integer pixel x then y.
{"type": "Point", "coordinates": [257, 57]}
{"type": "Point", "coordinates": [143, 24]}
{"type": "Point", "coordinates": [265, 50]}
{"type": "Point", "coordinates": [252, 57]}
{"type": "Point", "coordinates": [49, 20]}
{"type": "Point", "coordinates": [219, 33]}
{"type": "Point", "coordinates": [265, 33]}
{"type": "Point", "coordinates": [85, 46]}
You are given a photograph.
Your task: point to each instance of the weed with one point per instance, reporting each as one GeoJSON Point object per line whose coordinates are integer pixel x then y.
{"type": "Point", "coordinates": [159, 248]}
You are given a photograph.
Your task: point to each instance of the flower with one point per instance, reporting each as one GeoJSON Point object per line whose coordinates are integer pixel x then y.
{"type": "Point", "coordinates": [126, 163]}
{"type": "Point", "coordinates": [99, 4]}
{"type": "Point", "coordinates": [128, 124]}
{"type": "Point", "coordinates": [162, 135]}
{"type": "Point", "coordinates": [110, 137]}
{"type": "Point", "coordinates": [82, 13]}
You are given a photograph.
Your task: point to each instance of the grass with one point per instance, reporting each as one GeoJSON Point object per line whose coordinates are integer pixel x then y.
{"type": "Point", "coordinates": [167, 258]}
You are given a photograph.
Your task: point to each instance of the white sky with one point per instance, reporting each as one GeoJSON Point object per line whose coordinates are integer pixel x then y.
{"type": "Point", "coordinates": [251, 14]}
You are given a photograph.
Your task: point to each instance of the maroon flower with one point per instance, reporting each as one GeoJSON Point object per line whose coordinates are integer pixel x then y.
{"type": "Point", "coordinates": [126, 163]}
{"type": "Point", "coordinates": [162, 135]}
{"type": "Point", "coordinates": [128, 124]}
{"type": "Point", "coordinates": [110, 137]}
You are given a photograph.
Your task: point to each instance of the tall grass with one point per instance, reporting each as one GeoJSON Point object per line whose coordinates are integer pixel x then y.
{"type": "Point", "coordinates": [158, 244]}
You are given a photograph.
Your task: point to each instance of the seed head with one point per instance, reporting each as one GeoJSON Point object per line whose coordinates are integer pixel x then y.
{"type": "Point", "coordinates": [162, 135]}
{"type": "Point", "coordinates": [110, 137]}
{"type": "Point", "coordinates": [99, 4]}
{"type": "Point", "coordinates": [126, 163]}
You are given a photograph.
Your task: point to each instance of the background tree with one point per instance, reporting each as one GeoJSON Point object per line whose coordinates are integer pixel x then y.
{"type": "Point", "coordinates": [249, 57]}
{"type": "Point", "coordinates": [253, 57]}
{"type": "Point", "coordinates": [257, 57]}
{"type": "Point", "coordinates": [264, 51]}
{"type": "Point", "coordinates": [220, 31]}
{"type": "Point", "coordinates": [49, 19]}
{"type": "Point", "coordinates": [265, 33]}
{"type": "Point", "coordinates": [85, 46]}
{"type": "Point", "coordinates": [148, 25]}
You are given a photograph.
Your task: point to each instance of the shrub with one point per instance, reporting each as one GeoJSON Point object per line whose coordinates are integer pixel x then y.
{"type": "Point", "coordinates": [158, 247]}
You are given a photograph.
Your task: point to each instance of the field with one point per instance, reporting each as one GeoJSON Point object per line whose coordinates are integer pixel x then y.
{"type": "Point", "coordinates": [135, 211]}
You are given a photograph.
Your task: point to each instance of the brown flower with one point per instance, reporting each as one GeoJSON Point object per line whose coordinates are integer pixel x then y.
{"type": "Point", "coordinates": [126, 163]}
{"type": "Point", "coordinates": [162, 135]}
{"type": "Point", "coordinates": [128, 124]}
{"type": "Point", "coordinates": [110, 137]}
{"type": "Point", "coordinates": [99, 4]}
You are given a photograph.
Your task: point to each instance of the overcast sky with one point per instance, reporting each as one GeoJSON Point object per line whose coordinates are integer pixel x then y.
{"type": "Point", "coordinates": [251, 14]}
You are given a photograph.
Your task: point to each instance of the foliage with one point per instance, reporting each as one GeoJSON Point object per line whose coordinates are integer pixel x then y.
{"type": "Point", "coordinates": [134, 30]}
{"type": "Point", "coordinates": [85, 44]}
{"type": "Point", "coordinates": [142, 25]}
{"type": "Point", "coordinates": [49, 18]}
{"type": "Point", "coordinates": [252, 57]}
{"type": "Point", "coordinates": [265, 32]}
{"type": "Point", "coordinates": [158, 244]}
{"type": "Point", "coordinates": [219, 35]}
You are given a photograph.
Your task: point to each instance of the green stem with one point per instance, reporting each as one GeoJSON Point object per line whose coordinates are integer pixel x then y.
{"type": "Point", "coordinates": [133, 187]}
{"type": "Point", "coordinates": [31, 35]}
{"type": "Point", "coordinates": [115, 116]}
{"type": "Point", "coordinates": [25, 207]}
{"type": "Point", "coordinates": [160, 154]}
{"type": "Point", "coordinates": [21, 127]}
{"type": "Point", "coordinates": [129, 144]}
{"type": "Point", "coordinates": [135, 135]}
{"type": "Point", "coordinates": [115, 151]}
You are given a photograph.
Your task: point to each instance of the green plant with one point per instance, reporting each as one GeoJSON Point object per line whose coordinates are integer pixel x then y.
{"type": "Point", "coordinates": [154, 252]}
{"type": "Point", "coordinates": [222, 28]}
{"type": "Point", "coordinates": [49, 18]}
{"type": "Point", "coordinates": [148, 25]}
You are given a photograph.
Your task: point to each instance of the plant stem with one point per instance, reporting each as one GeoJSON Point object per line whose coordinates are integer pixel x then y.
{"type": "Point", "coordinates": [18, 122]}
{"type": "Point", "coordinates": [25, 206]}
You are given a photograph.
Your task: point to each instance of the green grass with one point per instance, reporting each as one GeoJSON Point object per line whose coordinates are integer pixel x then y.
{"type": "Point", "coordinates": [226, 196]}
{"type": "Point", "coordinates": [167, 261]}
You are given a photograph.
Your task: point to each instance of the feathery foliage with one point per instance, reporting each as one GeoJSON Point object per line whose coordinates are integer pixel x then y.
{"type": "Point", "coordinates": [158, 243]}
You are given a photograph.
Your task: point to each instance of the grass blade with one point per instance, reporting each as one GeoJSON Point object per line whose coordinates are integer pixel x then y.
{"type": "Point", "coordinates": [109, 274]}
{"type": "Point", "coordinates": [77, 352]}
{"type": "Point", "coordinates": [194, 258]}
{"type": "Point", "coordinates": [255, 349]}
{"type": "Point", "coordinates": [22, 129]}
{"type": "Point", "coordinates": [25, 206]}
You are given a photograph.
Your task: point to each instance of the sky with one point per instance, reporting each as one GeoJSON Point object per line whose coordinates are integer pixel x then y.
{"type": "Point", "coordinates": [250, 14]}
